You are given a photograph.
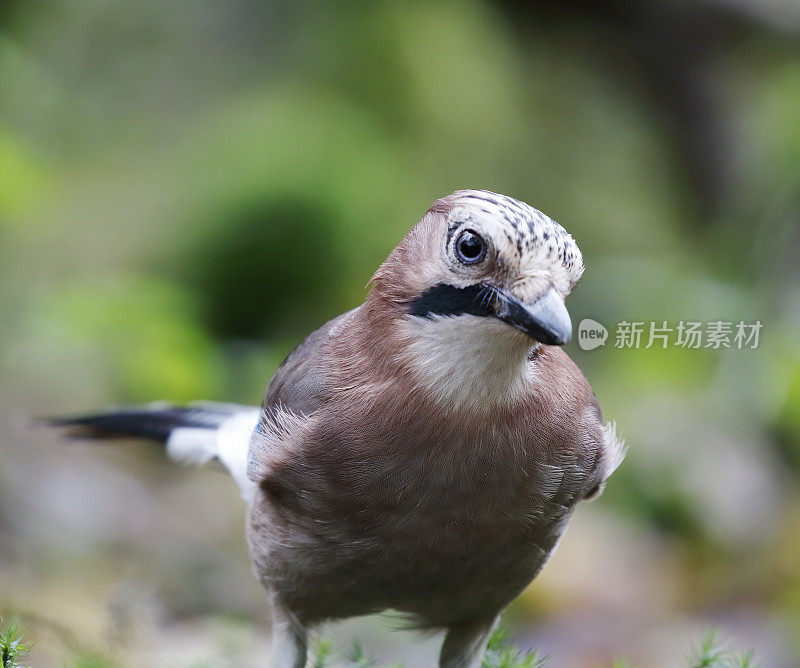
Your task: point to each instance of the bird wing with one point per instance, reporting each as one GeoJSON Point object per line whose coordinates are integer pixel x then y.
{"type": "Point", "coordinates": [298, 384]}
{"type": "Point", "coordinates": [296, 391]}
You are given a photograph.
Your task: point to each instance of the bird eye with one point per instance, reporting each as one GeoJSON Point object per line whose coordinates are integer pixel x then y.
{"type": "Point", "coordinates": [470, 247]}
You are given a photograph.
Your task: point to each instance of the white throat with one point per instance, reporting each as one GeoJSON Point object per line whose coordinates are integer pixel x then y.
{"type": "Point", "coordinates": [467, 361]}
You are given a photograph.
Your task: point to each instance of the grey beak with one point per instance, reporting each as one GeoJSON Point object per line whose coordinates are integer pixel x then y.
{"type": "Point", "coordinates": [546, 320]}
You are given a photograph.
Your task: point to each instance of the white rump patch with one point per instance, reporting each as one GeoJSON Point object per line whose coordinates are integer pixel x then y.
{"type": "Point", "coordinates": [229, 443]}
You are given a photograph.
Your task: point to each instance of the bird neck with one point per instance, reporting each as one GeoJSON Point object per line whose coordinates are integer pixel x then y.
{"type": "Point", "coordinates": [463, 362]}
{"type": "Point", "coordinates": [467, 361]}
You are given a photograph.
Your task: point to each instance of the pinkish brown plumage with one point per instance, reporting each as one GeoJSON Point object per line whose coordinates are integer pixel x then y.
{"type": "Point", "coordinates": [424, 451]}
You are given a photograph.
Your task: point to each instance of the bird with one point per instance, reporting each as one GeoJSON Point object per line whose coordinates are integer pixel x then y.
{"type": "Point", "coordinates": [421, 453]}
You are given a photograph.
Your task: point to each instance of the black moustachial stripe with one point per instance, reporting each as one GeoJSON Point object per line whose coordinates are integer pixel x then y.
{"type": "Point", "coordinates": [445, 299]}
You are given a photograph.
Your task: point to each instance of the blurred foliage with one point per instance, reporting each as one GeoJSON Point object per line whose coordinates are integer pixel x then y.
{"type": "Point", "coordinates": [188, 188]}
{"type": "Point", "coordinates": [711, 654]}
{"type": "Point", "coordinates": [12, 649]}
{"type": "Point", "coordinates": [500, 653]}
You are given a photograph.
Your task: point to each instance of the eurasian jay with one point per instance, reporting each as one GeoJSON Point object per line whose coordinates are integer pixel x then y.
{"type": "Point", "coordinates": [422, 452]}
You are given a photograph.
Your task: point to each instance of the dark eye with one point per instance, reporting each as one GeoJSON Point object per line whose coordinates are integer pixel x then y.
{"type": "Point", "coordinates": [470, 247]}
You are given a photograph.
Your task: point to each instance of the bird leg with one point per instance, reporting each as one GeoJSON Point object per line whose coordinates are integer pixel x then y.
{"type": "Point", "coordinates": [464, 644]}
{"type": "Point", "coordinates": [289, 640]}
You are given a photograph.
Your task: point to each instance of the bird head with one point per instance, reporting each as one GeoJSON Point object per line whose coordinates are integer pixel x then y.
{"type": "Point", "coordinates": [484, 255]}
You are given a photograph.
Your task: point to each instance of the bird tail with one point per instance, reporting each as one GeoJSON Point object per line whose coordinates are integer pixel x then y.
{"type": "Point", "coordinates": [193, 434]}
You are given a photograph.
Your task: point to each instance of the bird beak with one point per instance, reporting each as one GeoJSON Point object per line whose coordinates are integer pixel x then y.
{"type": "Point", "coordinates": [546, 320]}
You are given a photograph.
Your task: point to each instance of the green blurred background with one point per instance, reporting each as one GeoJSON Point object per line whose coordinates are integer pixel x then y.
{"type": "Point", "coordinates": [189, 187]}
